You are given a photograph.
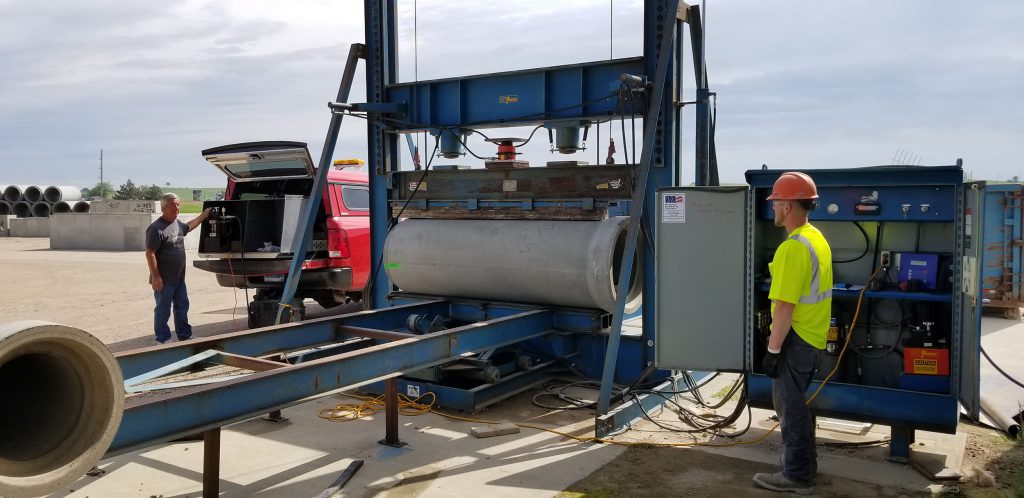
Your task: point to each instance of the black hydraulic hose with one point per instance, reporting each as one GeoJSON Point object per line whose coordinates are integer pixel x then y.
{"type": "Point", "coordinates": [1000, 370]}
{"type": "Point", "coordinates": [867, 246]}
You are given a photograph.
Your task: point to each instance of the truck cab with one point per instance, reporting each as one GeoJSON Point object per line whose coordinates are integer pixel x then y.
{"type": "Point", "coordinates": [250, 238]}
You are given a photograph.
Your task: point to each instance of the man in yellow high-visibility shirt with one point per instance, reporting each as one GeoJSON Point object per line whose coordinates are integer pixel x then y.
{"type": "Point", "coordinates": [801, 295]}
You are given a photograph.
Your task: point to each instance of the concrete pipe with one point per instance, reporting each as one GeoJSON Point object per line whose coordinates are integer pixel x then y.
{"type": "Point", "coordinates": [21, 209]}
{"type": "Point", "coordinates": [32, 194]}
{"type": "Point", "coordinates": [562, 263]}
{"type": "Point", "coordinates": [5, 207]}
{"type": "Point", "coordinates": [81, 207]}
{"type": "Point", "coordinates": [63, 400]}
{"type": "Point", "coordinates": [55, 193]}
{"type": "Point", "coordinates": [60, 207]}
{"type": "Point", "coordinates": [41, 209]}
{"type": "Point", "coordinates": [14, 193]}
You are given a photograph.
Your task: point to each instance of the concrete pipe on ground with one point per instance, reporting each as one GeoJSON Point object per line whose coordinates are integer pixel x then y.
{"type": "Point", "coordinates": [63, 400]}
{"type": "Point", "coordinates": [81, 207]}
{"type": "Point", "coordinates": [56, 193]}
{"type": "Point", "coordinates": [14, 193]}
{"type": "Point", "coordinates": [5, 207]}
{"type": "Point", "coordinates": [32, 194]}
{"type": "Point", "coordinates": [41, 209]}
{"type": "Point", "coordinates": [21, 209]}
{"type": "Point", "coordinates": [562, 263]}
{"type": "Point", "coordinates": [60, 207]}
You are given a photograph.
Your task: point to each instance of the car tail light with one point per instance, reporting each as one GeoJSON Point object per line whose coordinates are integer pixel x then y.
{"type": "Point", "coordinates": [337, 240]}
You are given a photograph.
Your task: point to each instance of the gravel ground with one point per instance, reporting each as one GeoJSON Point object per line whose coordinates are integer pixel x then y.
{"type": "Point", "coordinates": [107, 294]}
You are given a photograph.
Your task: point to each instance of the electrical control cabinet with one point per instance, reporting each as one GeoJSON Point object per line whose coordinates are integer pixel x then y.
{"type": "Point", "coordinates": [899, 236]}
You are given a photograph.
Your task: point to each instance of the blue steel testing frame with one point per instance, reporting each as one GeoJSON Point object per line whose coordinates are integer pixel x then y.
{"type": "Point", "coordinates": [582, 92]}
{"type": "Point", "coordinates": [292, 362]}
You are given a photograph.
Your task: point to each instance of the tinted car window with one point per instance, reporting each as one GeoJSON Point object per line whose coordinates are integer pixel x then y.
{"type": "Point", "coordinates": [356, 198]}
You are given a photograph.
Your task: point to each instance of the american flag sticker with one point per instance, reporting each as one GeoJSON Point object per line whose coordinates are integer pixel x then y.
{"type": "Point", "coordinates": [673, 208]}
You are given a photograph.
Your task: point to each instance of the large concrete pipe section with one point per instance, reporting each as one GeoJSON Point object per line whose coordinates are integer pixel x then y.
{"type": "Point", "coordinates": [13, 193]}
{"type": "Point", "coordinates": [63, 397]}
{"type": "Point", "coordinates": [57, 193]}
{"type": "Point", "coordinates": [32, 194]}
{"type": "Point", "coordinates": [5, 207]}
{"type": "Point", "coordinates": [41, 209]}
{"type": "Point", "coordinates": [81, 207]}
{"type": "Point", "coordinates": [21, 209]}
{"type": "Point", "coordinates": [60, 207]}
{"type": "Point", "coordinates": [561, 263]}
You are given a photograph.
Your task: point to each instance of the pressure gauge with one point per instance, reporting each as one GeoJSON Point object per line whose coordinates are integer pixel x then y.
{"type": "Point", "coordinates": [832, 208]}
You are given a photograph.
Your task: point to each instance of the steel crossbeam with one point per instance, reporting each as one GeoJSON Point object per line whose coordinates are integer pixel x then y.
{"type": "Point", "coordinates": [151, 420]}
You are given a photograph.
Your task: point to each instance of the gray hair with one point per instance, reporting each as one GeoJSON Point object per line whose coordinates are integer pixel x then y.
{"type": "Point", "coordinates": [168, 197]}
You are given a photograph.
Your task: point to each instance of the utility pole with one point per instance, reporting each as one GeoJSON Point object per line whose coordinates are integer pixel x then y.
{"type": "Point", "coordinates": [101, 174]}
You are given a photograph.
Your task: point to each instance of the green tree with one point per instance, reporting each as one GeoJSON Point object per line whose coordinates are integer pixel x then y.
{"type": "Point", "coordinates": [152, 193]}
{"type": "Point", "coordinates": [102, 189]}
{"type": "Point", "coordinates": [128, 191]}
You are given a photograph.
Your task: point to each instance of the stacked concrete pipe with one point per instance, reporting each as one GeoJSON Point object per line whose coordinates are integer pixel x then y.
{"type": "Point", "coordinates": [41, 209]}
{"type": "Point", "coordinates": [81, 207]}
{"type": "Point", "coordinates": [5, 207]}
{"type": "Point", "coordinates": [57, 193]}
{"type": "Point", "coordinates": [32, 194]}
{"type": "Point", "coordinates": [14, 193]}
{"type": "Point", "coordinates": [21, 209]}
{"type": "Point", "coordinates": [60, 207]}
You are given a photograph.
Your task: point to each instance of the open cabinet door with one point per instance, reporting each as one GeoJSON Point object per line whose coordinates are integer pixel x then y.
{"type": "Point", "coordinates": [971, 237]}
{"type": "Point", "coordinates": [701, 265]}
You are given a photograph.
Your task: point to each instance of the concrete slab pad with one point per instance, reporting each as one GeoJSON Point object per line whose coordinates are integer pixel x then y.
{"type": "Point", "coordinates": [30, 227]}
{"type": "Point", "coordinates": [124, 207]}
{"type": "Point", "coordinates": [491, 430]}
{"type": "Point", "coordinates": [1001, 399]}
{"type": "Point", "coordinates": [107, 231]}
{"type": "Point", "coordinates": [305, 456]}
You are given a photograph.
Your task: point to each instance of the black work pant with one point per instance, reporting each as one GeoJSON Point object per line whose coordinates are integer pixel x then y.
{"type": "Point", "coordinates": [789, 395]}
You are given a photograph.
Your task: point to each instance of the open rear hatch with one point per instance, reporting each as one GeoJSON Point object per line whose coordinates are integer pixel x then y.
{"type": "Point", "coordinates": [271, 182]}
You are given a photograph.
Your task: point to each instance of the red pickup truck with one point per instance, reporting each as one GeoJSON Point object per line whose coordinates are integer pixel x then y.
{"type": "Point", "coordinates": [249, 240]}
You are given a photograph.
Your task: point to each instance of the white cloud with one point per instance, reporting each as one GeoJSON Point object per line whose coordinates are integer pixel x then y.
{"type": "Point", "coordinates": [808, 83]}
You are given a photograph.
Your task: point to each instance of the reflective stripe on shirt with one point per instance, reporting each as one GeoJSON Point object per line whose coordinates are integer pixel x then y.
{"type": "Point", "coordinates": [812, 296]}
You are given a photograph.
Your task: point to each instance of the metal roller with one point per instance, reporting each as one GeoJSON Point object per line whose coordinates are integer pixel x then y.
{"type": "Point", "coordinates": [561, 263]}
{"type": "Point", "coordinates": [63, 401]}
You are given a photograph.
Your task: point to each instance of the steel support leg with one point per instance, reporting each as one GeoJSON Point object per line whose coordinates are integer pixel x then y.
{"type": "Point", "coordinates": [391, 414]}
{"type": "Point", "coordinates": [899, 443]}
{"type": "Point", "coordinates": [211, 463]}
{"type": "Point", "coordinates": [275, 416]}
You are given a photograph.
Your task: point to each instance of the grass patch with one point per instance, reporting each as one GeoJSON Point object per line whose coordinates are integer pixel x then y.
{"type": "Point", "coordinates": [598, 493]}
{"type": "Point", "coordinates": [192, 207]}
{"type": "Point", "coordinates": [725, 390]}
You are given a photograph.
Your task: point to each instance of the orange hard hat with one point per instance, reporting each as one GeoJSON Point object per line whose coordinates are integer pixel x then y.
{"type": "Point", "coordinates": [793, 186]}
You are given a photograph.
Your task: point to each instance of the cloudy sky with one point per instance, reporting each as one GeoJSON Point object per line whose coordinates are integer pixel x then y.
{"type": "Point", "coordinates": [801, 84]}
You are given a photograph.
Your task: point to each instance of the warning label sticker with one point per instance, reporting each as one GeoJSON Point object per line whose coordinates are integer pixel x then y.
{"type": "Point", "coordinates": [673, 208]}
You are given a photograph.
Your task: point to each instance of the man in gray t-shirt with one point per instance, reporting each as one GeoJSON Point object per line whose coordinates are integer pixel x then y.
{"type": "Point", "coordinates": [165, 254]}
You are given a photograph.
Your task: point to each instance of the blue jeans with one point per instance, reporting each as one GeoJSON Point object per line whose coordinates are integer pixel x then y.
{"type": "Point", "coordinates": [177, 295]}
{"type": "Point", "coordinates": [789, 395]}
